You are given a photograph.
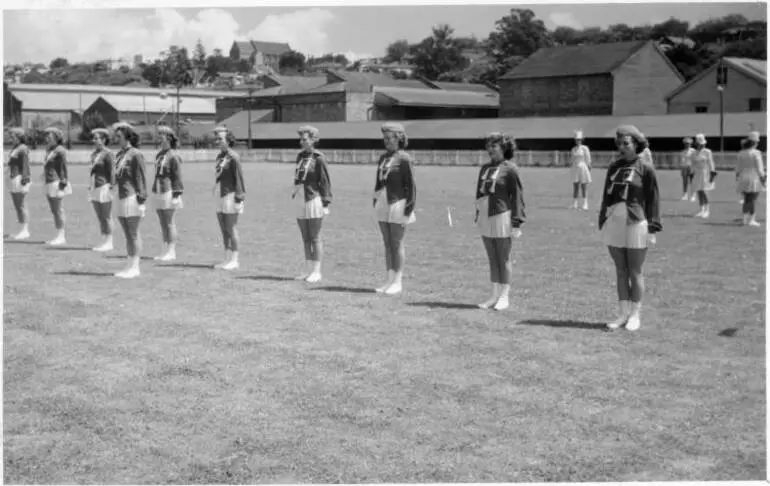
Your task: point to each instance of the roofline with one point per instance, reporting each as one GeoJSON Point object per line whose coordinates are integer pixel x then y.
{"type": "Point", "coordinates": [640, 45]}
{"type": "Point", "coordinates": [660, 53]}
{"type": "Point", "coordinates": [735, 64]}
{"type": "Point", "coordinates": [706, 71]}
{"type": "Point", "coordinates": [398, 103]}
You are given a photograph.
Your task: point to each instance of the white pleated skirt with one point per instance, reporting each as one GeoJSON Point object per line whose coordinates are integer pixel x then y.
{"type": "Point", "coordinates": [392, 213]}
{"type": "Point", "coordinates": [308, 209]}
{"type": "Point", "coordinates": [101, 194]}
{"type": "Point", "coordinates": [581, 174]}
{"type": "Point", "coordinates": [620, 233]}
{"type": "Point", "coordinates": [749, 181]}
{"type": "Point", "coordinates": [52, 190]}
{"type": "Point", "coordinates": [165, 201]}
{"type": "Point", "coordinates": [17, 187]}
{"type": "Point", "coordinates": [128, 207]}
{"type": "Point", "coordinates": [701, 179]}
{"type": "Point", "coordinates": [497, 226]}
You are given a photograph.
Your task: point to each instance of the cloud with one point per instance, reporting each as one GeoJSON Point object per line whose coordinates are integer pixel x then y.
{"type": "Point", "coordinates": [88, 35]}
{"type": "Point", "coordinates": [565, 19]}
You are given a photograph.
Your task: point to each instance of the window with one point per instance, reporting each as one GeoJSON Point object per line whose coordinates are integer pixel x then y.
{"type": "Point", "coordinates": [755, 104]}
{"type": "Point", "coordinates": [701, 109]}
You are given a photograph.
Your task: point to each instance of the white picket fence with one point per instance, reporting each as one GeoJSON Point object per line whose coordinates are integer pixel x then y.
{"type": "Point", "coordinates": [525, 158]}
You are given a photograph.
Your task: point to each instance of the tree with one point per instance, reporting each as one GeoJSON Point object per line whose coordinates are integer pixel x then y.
{"type": "Point", "coordinates": [518, 34]}
{"type": "Point", "coordinates": [396, 51]}
{"type": "Point", "coordinates": [711, 30]}
{"type": "Point", "coordinates": [438, 54]}
{"type": "Point", "coordinates": [291, 61]}
{"type": "Point", "coordinates": [199, 55]}
{"type": "Point", "coordinates": [59, 62]}
{"type": "Point", "coordinates": [670, 28]}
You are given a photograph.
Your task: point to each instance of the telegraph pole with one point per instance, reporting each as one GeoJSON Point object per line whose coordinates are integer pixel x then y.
{"type": "Point", "coordinates": [721, 84]}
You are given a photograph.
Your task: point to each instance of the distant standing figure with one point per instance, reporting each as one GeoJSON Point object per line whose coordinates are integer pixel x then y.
{"type": "Point", "coordinates": [132, 194]}
{"type": "Point", "coordinates": [499, 214]}
{"type": "Point", "coordinates": [102, 179]}
{"type": "Point", "coordinates": [312, 195]}
{"type": "Point", "coordinates": [629, 218]}
{"type": "Point", "coordinates": [751, 177]}
{"type": "Point", "coordinates": [394, 200]}
{"type": "Point", "coordinates": [20, 179]}
{"type": "Point", "coordinates": [57, 186]}
{"type": "Point", "coordinates": [580, 159]}
{"type": "Point", "coordinates": [167, 188]}
{"type": "Point", "coordinates": [685, 169]}
{"type": "Point", "coordinates": [230, 192]}
{"type": "Point", "coordinates": [704, 172]}
{"type": "Point", "coordinates": [646, 155]}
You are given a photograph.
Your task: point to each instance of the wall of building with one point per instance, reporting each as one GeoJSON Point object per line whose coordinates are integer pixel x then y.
{"type": "Point", "coordinates": [703, 93]}
{"type": "Point", "coordinates": [642, 82]}
{"type": "Point", "coordinates": [360, 107]}
{"type": "Point", "coordinates": [318, 107]}
{"type": "Point", "coordinates": [45, 118]}
{"type": "Point", "coordinates": [560, 96]}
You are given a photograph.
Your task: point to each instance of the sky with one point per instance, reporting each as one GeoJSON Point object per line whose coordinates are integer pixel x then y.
{"type": "Point", "coordinates": [45, 32]}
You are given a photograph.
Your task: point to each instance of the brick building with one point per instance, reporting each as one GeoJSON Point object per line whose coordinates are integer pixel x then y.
{"type": "Point", "coordinates": [746, 89]}
{"type": "Point", "coordinates": [258, 53]}
{"type": "Point", "coordinates": [622, 78]}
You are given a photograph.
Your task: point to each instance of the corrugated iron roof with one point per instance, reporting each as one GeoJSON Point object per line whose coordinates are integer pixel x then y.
{"type": "Point", "coordinates": [575, 60]}
{"type": "Point", "coordinates": [273, 48]}
{"type": "Point", "coordinates": [363, 82]}
{"type": "Point", "coordinates": [437, 97]}
{"type": "Point", "coordinates": [103, 90]}
{"type": "Point", "coordinates": [658, 126]}
{"type": "Point", "coordinates": [754, 68]}
{"type": "Point", "coordinates": [36, 101]}
{"type": "Point", "coordinates": [474, 87]}
{"type": "Point", "coordinates": [151, 104]}
{"type": "Point", "coordinates": [241, 119]}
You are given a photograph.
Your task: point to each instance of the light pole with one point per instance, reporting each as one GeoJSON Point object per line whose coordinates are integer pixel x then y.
{"type": "Point", "coordinates": [248, 107]}
{"type": "Point", "coordinates": [721, 84]}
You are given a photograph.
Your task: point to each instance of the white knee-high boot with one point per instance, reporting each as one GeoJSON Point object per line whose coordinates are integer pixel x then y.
{"type": "Point", "coordinates": [493, 297]}
{"type": "Point", "coordinates": [625, 310]}
{"type": "Point", "coordinates": [634, 321]}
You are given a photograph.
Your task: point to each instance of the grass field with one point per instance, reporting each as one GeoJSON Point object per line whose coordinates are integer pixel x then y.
{"type": "Point", "coordinates": [191, 375]}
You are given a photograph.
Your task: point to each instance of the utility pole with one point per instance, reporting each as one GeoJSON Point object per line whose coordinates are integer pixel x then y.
{"type": "Point", "coordinates": [248, 107]}
{"type": "Point", "coordinates": [721, 85]}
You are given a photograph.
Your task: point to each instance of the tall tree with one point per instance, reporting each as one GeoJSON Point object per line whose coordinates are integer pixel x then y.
{"type": "Point", "coordinates": [671, 27]}
{"type": "Point", "coordinates": [291, 62]}
{"type": "Point", "coordinates": [199, 55]}
{"type": "Point", "coordinates": [396, 51]}
{"type": "Point", "coordinates": [59, 62]}
{"type": "Point", "coordinates": [518, 34]}
{"type": "Point", "coordinates": [438, 54]}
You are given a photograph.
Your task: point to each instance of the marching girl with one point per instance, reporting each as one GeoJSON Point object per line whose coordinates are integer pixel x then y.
{"type": "Point", "coordinates": [499, 214]}
{"type": "Point", "coordinates": [704, 171]}
{"type": "Point", "coordinates": [313, 195]}
{"type": "Point", "coordinates": [629, 217]}
{"type": "Point", "coordinates": [685, 168]}
{"type": "Point", "coordinates": [18, 165]}
{"type": "Point", "coordinates": [230, 191]}
{"type": "Point", "coordinates": [751, 177]}
{"type": "Point", "coordinates": [167, 188]}
{"type": "Point", "coordinates": [581, 170]}
{"type": "Point", "coordinates": [102, 180]}
{"type": "Point", "coordinates": [132, 194]}
{"type": "Point", "coordinates": [56, 185]}
{"type": "Point", "coordinates": [395, 196]}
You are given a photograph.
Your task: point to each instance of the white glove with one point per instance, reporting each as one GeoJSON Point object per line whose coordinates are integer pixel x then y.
{"type": "Point", "coordinates": [326, 211]}
{"type": "Point", "coordinates": [516, 233]}
{"type": "Point", "coordinates": [239, 207]}
{"type": "Point", "coordinates": [651, 239]}
{"type": "Point", "coordinates": [142, 210]}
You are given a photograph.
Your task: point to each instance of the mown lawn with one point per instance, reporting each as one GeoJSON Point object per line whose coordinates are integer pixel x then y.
{"type": "Point", "coordinates": [191, 375]}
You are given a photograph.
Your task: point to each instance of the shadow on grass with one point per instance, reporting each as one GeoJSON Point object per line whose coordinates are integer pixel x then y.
{"type": "Point", "coordinates": [724, 223]}
{"type": "Point", "coordinates": [729, 332]}
{"type": "Point", "coordinates": [185, 265]}
{"type": "Point", "coordinates": [24, 242]}
{"type": "Point", "coordinates": [595, 326]}
{"type": "Point", "coordinates": [444, 305]}
{"type": "Point", "coordinates": [123, 257]}
{"type": "Point", "coordinates": [87, 274]}
{"type": "Point", "coordinates": [68, 248]}
{"type": "Point", "coordinates": [342, 288]}
{"type": "Point", "coordinates": [274, 278]}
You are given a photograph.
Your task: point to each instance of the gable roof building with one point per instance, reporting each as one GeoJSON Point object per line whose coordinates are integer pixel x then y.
{"type": "Point", "coordinates": [621, 78]}
{"type": "Point", "coordinates": [745, 90]}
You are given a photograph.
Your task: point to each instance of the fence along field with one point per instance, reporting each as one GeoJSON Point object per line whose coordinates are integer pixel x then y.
{"type": "Point", "coordinates": [525, 158]}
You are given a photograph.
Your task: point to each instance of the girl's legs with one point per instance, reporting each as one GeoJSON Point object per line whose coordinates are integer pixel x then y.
{"type": "Point", "coordinates": [575, 188]}
{"type": "Point", "coordinates": [494, 274]}
{"type": "Point", "coordinates": [103, 215]}
{"type": "Point", "coordinates": [304, 232]}
{"type": "Point", "coordinates": [59, 219]}
{"type": "Point", "coordinates": [225, 239]}
{"type": "Point", "coordinates": [231, 223]}
{"type": "Point", "coordinates": [635, 258]}
{"type": "Point", "coordinates": [385, 230]}
{"type": "Point", "coordinates": [623, 285]}
{"type": "Point", "coordinates": [704, 204]}
{"type": "Point", "coordinates": [583, 188]}
{"type": "Point", "coordinates": [130, 227]}
{"type": "Point", "coordinates": [21, 214]}
{"type": "Point", "coordinates": [314, 226]}
{"type": "Point", "coordinates": [397, 257]}
{"type": "Point", "coordinates": [504, 269]}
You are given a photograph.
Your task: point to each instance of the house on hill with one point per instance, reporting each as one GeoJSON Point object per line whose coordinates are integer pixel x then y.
{"type": "Point", "coordinates": [622, 78]}
{"type": "Point", "coordinates": [258, 53]}
{"type": "Point", "coordinates": [746, 89]}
